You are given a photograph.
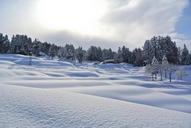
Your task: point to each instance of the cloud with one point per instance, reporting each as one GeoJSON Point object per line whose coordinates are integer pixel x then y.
{"type": "Point", "coordinates": [61, 38]}
{"type": "Point", "coordinates": [131, 22]}
{"type": "Point", "coordinates": [137, 20]}
{"type": "Point", "coordinates": [180, 40]}
{"type": "Point", "coordinates": [16, 16]}
{"type": "Point", "coordinates": [127, 22]}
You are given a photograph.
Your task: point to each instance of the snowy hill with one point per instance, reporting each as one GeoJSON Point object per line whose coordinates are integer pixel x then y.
{"type": "Point", "coordinates": [58, 94]}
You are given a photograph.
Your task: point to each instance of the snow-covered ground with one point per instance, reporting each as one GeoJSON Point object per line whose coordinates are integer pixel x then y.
{"type": "Point", "coordinates": [57, 94]}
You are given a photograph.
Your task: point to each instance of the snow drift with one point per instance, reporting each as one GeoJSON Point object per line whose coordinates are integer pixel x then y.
{"type": "Point", "coordinates": [54, 94]}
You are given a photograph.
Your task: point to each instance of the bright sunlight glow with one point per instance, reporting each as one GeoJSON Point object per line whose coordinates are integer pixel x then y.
{"type": "Point", "coordinates": [133, 3]}
{"type": "Point", "coordinates": [80, 16]}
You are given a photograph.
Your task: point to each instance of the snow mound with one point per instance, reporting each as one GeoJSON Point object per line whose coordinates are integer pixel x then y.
{"type": "Point", "coordinates": [38, 108]}
{"type": "Point", "coordinates": [53, 93]}
{"type": "Point", "coordinates": [24, 60]}
{"type": "Point", "coordinates": [81, 74]}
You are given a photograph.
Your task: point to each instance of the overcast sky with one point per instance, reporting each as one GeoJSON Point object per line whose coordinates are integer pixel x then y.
{"type": "Point", "coordinates": [107, 23]}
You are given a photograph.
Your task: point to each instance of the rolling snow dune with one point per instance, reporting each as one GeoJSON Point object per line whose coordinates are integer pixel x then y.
{"type": "Point", "coordinates": [59, 94]}
{"type": "Point", "coordinates": [39, 108]}
{"type": "Point", "coordinates": [142, 95]}
{"type": "Point", "coordinates": [58, 83]}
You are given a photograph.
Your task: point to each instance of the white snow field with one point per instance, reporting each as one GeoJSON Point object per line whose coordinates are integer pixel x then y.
{"type": "Point", "coordinates": [59, 94]}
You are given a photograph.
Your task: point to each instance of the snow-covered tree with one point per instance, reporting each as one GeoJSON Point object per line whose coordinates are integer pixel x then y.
{"type": "Point", "coordinates": [4, 44]}
{"type": "Point", "coordinates": [185, 56]}
{"type": "Point", "coordinates": [20, 43]}
{"type": "Point", "coordinates": [80, 53]}
{"type": "Point", "coordinates": [148, 69]}
{"type": "Point", "coordinates": [69, 52]}
{"type": "Point", "coordinates": [147, 52]}
{"type": "Point", "coordinates": [126, 55]}
{"type": "Point", "coordinates": [61, 53]}
{"type": "Point", "coordinates": [118, 58]}
{"type": "Point", "coordinates": [44, 49]}
{"type": "Point", "coordinates": [94, 54]}
{"type": "Point", "coordinates": [158, 47]}
{"type": "Point", "coordinates": [36, 47]}
{"type": "Point", "coordinates": [165, 65]}
{"type": "Point", "coordinates": [153, 68]}
{"type": "Point", "coordinates": [107, 54]}
{"type": "Point", "coordinates": [137, 57]}
{"type": "Point", "coordinates": [52, 51]}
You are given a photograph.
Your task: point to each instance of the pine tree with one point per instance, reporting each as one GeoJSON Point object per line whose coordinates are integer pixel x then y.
{"type": "Point", "coordinates": [69, 52]}
{"type": "Point", "coordinates": [118, 58]}
{"type": "Point", "coordinates": [165, 65]}
{"type": "Point", "coordinates": [158, 47]}
{"type": "Point", "coordinates": [36, 48]}
{"type": "Point", "coordinates": [107, 54]}
{"type": "Point", "coordinates": [184, 56]}
{"type": "Point", "coordinates": [94, 54]}
{"type": "Point", "coordinates": [155, 67]}
{"type": "Point", "coordinates": [138, 57]}
{"type": "Point", "coordinates": [155, 47]}
{"type": "Point", "coordinates": [80, 54]}
{"type": "Point", "coordinates": [19, 44]}
{"type": "Point", "coordinates": [126, 54]}
{"type": "Point", "coordinates": [4, 44]}
{"type": "Point", "coordinates": [52, 51]}
{"type": "Point", "coordinates": [147, 52]}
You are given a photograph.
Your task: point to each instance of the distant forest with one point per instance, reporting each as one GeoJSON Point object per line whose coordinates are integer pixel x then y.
{"type": "Point", "coordinates": [155, 47]}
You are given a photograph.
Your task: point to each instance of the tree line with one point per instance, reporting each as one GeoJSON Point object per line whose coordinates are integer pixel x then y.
{"type": "Point", "coordinates": [157, 47]}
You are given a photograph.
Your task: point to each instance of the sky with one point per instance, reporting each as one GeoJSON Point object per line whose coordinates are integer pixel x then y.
{"type": "Point", "coordinates": [105, 23]}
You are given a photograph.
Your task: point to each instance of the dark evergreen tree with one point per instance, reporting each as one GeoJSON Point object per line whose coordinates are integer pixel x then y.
{"type": "Point", "coordinates": [69, 52]}
{"type": "Point", "coordinates": [94, 54]}
{"type": "Point", "coordinates": [155, 47]}
{"type": "Point", "coordinates": [158, 47]}
{"type": "Point", "coordinates": [185, 56]}
{"type": "Point", "coordinates": [126, 55]}
{"type": "Point", "coordinates": [4, 44]}
{"type": "Point", "coordinates": [53, 50]}
{"type": "Point", "coordinates": [107, 54]}
{"type": "Point", "coordinates": [36, 47]}
{"type": "Point", "coordinates": [80, 53]}
{"type": "Point", "coordinates": [138, 57]}
{"type": "Point", "coordinates": [20, 44]}
{"type": "Point", "coordinates": [119, 56]}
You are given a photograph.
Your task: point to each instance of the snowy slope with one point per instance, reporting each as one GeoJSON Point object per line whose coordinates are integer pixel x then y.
{"type": "Point", "coordinates": [28, 107]}
{"type": "Point", "coordinates": [56, 94]}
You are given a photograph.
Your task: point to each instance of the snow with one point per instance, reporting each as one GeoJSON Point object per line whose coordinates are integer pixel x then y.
{"type": "Point", "coordinates": [59, 94]}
